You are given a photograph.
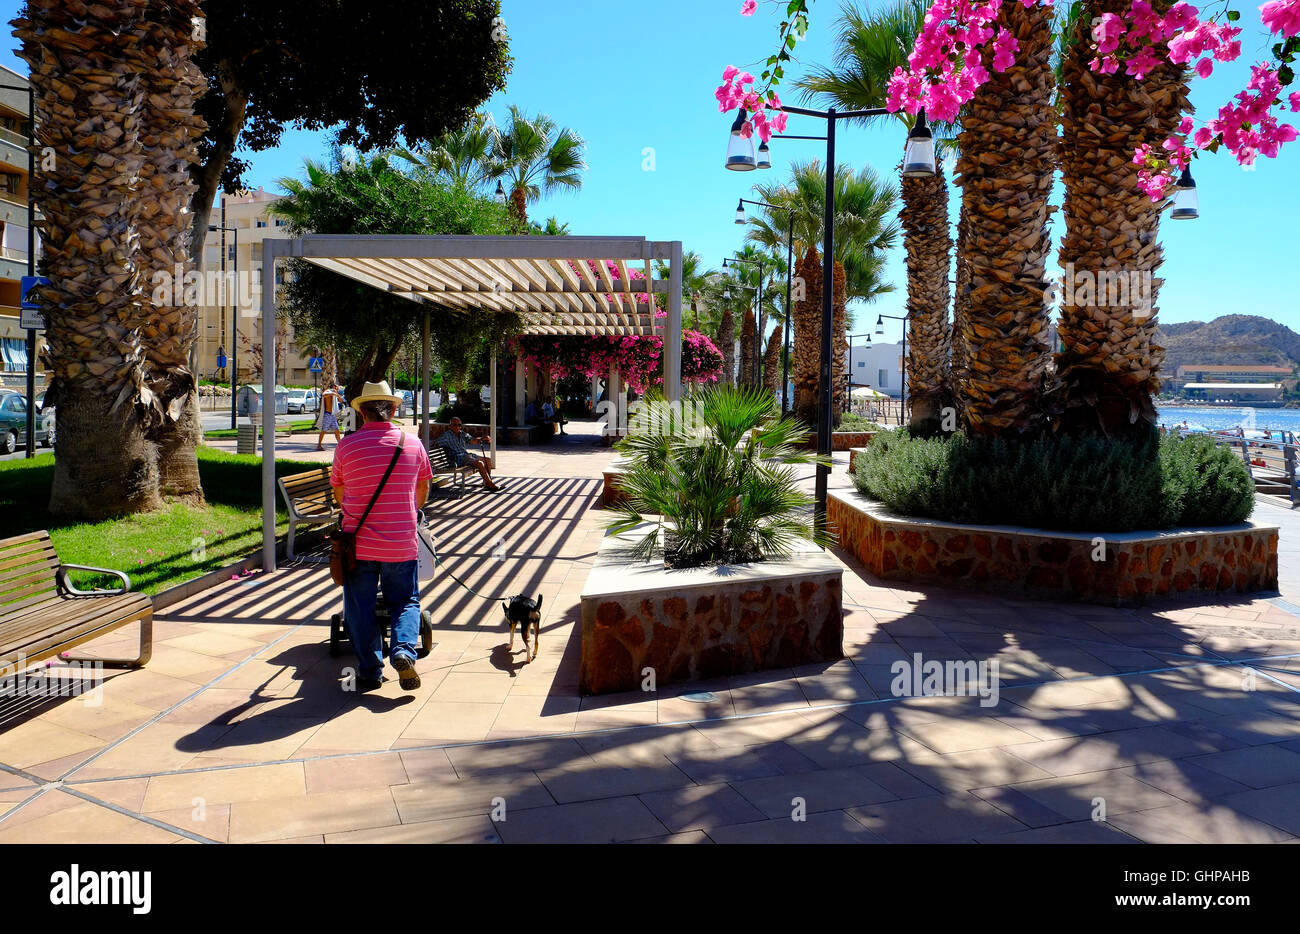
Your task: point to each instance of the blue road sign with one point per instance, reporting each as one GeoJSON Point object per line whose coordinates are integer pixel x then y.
{"type": "Point", "coordinates": [316, 364]}
{"type": "Point", "coordinates": [221, 361]}
{"type": "Point", "coordinates": [26, 284]}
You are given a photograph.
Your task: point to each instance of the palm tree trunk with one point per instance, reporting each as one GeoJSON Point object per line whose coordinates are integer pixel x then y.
{"type": "Point", "coordinates": [960, 303]}
{"type": "Point", "coordinates": [169, 129]}
{"type": "Point", "coordinates": [807, 337]}
{"type": "Point", "coordinates": [88, 100]}
{"type": "Point", "coordinates": [772, 362]}
{"type": "Point", "coordinates": [925, 235]}
{"type": "Point", "coordinates": [1109, 359]}
{"type": "Point", "coordinates": [748, 339]}
{"type": "Point", "coordinates": [727, 345]}
{"type": "Point", "coordinates": [840, 349]}
{"type": "Point", "coordinates": [519, 207]}
{"type": "Point", "coordinates": [1008, 154]}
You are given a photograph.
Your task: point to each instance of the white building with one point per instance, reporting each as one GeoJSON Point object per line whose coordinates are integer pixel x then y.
{"type": "Point", "coordinates": [879, 366]}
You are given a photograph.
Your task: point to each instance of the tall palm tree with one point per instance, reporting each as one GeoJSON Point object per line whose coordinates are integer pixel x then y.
{"type": "Point", "coordinates": [461, 157]}
{"type": "Point", "coordinates": [869, 46]}
{"type": "Point", "coordinates": [863, 233]}
{"type": "Point", "coordinates": [1008, 155]}
{"type": "Point", "coordinates": [1109, 359]}
{"type": "Point", "coordinates": [772, 362]}
{"type": "Point", "coordinates": [727, 345]}
{"type": "Point", "coordinates": [535, 157]}
{"type": "Point", "coordinates": [89, 100]}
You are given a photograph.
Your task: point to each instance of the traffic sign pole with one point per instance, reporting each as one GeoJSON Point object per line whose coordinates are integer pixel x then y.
{"type": "Point", "coordinates": [31, 320]}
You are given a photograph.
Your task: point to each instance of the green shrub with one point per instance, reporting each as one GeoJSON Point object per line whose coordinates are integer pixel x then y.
{"type": "Point", "coordinates": [1057, 482]}
{"type": "Point", "coordinates": [1204, 483]}
{"type": "Point", "coordinates": [852, 421]}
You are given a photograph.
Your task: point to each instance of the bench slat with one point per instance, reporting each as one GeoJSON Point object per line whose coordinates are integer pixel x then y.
{"type": "Point", "coordinates": [22, 588]}
{"type": "Point", "coordinates": [11, 611]}
{"type": "Point", "coordinates": [45, 568]}
{"type": "Point", "coordinates": [13, 559]}
{"type": "Point", "coordinates": [16, 540]}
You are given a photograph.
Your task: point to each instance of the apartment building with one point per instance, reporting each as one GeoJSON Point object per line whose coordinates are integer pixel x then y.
{"type": "Point", "coordinates": [14, 119]}
{"type": "Point", "coordinates": [247, 213]}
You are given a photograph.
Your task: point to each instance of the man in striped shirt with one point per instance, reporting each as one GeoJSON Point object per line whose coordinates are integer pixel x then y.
{"type": "Point", "coordinates": [387, 548]}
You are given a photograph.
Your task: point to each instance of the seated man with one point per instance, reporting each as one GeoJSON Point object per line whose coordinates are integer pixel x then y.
{"type": "Point", "coordinates": [557, 416]}
{"type": "Point", "coordinates": [453, 441]}
{"type": "Point", "coordinates": [530, 414]}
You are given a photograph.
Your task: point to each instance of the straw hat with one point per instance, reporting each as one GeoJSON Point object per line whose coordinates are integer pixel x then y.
{"type": "Point", "coordinates": [375, 392]}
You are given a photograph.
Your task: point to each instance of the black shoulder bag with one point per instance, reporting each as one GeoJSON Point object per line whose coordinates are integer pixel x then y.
{"type": "Point", "coordinates": [343, 545]}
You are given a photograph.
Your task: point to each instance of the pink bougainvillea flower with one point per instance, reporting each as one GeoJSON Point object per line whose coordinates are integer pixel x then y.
{"type": "Point", "coordinates": [1294, 100]}
{"type": "Point", "coordinates": [748, 7]}
{"type": "Point", "coordinates": [1281, 16]}
{"type": "Point", "coordinates": [1204, 67]}
{"type": "Point", "coordinates": [1185, 126]}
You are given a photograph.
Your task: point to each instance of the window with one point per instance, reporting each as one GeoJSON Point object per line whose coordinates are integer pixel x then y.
{"type": "Point", "coordinates": [261, 223]}
{"type": "Point", "coordinates": [280, 222]}
{"type": "Point", "coordinates": [10, 183]}
{"type": "Point", "coordinates": [862, 363]}
{"type": "Point", "coordinates": [881, 380]}
{"type": "Point", "coordinates": [279, 276]}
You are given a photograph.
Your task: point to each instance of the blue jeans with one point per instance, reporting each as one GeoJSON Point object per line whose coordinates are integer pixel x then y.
{"type": "Point", "coordinates": [402, 597]}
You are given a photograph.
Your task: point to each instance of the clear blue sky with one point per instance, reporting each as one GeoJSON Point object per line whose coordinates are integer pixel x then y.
{"type": "Point", "coordinates": [630, 76]}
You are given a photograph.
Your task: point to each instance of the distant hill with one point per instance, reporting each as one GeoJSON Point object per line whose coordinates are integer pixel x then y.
{"type": "Point", "coordinates": [1229, 340]}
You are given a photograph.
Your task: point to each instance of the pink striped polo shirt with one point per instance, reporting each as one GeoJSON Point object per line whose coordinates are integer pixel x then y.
{"type": "Point", "coordinates": [359, 463]}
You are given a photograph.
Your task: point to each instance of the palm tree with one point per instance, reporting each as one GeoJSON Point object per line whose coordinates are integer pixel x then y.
{"type": "Point", "coordinates": [748, 348]}
{"type": "Point", "coordinates": [868, 49]}
{"type": "Point", "coordinates": [695, 281]}
{"type": "Point", "coordinates": [1109, 360]}
{"type": "Point", "coordinates": [555, 228]}
{"type": "Point", "coordinates": [863, 232]}
{"type": "Point", "coordinates": [1008, 155]}
{"type": "Point", "coordinates": [461, 157]}
{"type": "Point", "coordinates": [89, 98]}
{"type": "Point", "coordinates": [535, 157]}
{"type": "Point", "coordinates": [727, 344]}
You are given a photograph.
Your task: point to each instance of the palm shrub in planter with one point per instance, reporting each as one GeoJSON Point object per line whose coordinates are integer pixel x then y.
{"type": "Point", "coordinates": [715, 490]}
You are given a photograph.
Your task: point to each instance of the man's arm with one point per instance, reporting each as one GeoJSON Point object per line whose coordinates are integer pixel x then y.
{"type": "Point", "coordinates": [421, 493]}
{"type": "Point", "coordinates": [338, 495]}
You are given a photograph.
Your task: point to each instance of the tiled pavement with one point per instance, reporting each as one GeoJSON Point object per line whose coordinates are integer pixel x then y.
{"type": "Point", "coordinates": [238, 730]}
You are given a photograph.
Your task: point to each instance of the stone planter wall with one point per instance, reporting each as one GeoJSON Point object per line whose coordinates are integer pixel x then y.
{"type": "Point", "coordinates": [700, 623]}
{"type": "Point", "coordinates": [1135, 567]}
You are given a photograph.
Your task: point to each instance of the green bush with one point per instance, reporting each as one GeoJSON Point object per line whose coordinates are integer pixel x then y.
{"type": "Point", "coordinates": [1058, 482]}
{"type": "Point", "coordinates": [852, 421]}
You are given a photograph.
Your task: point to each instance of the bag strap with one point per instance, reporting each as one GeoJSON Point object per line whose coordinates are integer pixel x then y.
{"type": "Point", "coordinates": [384, 479]}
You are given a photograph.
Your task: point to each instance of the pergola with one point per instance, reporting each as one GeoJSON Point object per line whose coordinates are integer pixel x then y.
{"type": "Point", "coordinates": [558, 285]}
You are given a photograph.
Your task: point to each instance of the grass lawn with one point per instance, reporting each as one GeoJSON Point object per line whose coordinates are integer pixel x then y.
{"type": "Point", "coordinates": [307, 426]}
{"type": "Point", "coordinates": [158, 549]}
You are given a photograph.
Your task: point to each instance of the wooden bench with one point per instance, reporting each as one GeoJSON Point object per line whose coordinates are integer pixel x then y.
{"type": "Point", "coordinates": [440, 460]}
{"type": "Point", "coordinates": [43, 614]}
{"type": "Point", "coordinates": [310, 500]}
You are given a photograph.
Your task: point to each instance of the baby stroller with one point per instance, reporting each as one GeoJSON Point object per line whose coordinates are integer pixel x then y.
{"type": "Point", "coordinates": [339, 632]}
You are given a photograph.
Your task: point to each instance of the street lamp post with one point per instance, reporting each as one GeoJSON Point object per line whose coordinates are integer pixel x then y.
{"type": "Point", "coordinates": [902, 391]}
{"type": "Point", "coordinates": [867, 335]}
{"type": "Point", "coordinates": [234, 310]}
{"type": "Point", "coordinates": [789, 276]}
{"type": "Point", "coordinates": [736, 162]}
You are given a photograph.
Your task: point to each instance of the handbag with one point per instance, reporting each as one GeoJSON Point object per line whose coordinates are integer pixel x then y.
{"type": "Point", "coordinates": [343, 545]}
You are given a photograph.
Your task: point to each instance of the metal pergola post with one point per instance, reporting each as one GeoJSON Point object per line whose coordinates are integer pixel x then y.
{"type": "Point", "coordinates": [271, 250]}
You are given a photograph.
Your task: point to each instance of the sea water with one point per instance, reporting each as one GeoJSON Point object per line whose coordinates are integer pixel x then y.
{"type": "Point", "coordinates": [1254, 422]}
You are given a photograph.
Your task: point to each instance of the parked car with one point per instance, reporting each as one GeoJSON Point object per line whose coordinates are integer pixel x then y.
{"type": "Point", "coordinates": [46, 415]}
{"type": "Point", "coordinates": [299, 401]}
{"type": "Point", "coordinates": [13, 423]}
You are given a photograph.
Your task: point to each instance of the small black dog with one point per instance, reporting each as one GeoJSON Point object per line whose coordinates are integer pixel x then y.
{"type": "Point", "coordinates": [523, 612]}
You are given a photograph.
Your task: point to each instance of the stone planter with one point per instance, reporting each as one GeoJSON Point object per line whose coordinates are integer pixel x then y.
{"type": "Point", "coordinates": [1095, 567]}
{"type": "Point", "coordinates": [698, 623]}
{"type": "Point", "coordinates": [842, 440]}
{"type": "Point", "coordinates": [611, 493]}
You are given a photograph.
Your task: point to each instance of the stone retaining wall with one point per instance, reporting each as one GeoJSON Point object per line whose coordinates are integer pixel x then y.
{"type": "Point", "coordinates": [700, 623]}
{"type": "Point", "coordinates": [1103, 567]}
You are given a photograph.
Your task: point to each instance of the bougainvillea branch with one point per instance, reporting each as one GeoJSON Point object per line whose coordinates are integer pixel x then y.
{"type": "Point", "coordinates": [638, 359]}
{"type": "Point", "coordinates": [948, 64]}
{"type": "Point", "coordinates": [737, 88]}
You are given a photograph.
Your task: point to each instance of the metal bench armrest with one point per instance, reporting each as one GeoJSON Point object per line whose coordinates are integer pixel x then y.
{"type": "Point", "coordinates": [65, 585]}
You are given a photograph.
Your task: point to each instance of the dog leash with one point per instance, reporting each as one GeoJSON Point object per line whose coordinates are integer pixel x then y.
{"type": "Point", "coordinates": [438, 561]}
